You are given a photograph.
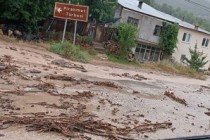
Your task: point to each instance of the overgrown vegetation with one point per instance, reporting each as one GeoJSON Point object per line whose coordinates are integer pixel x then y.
{"type": "Point", "coordinates": [168, 38]}
{"type": "Point", "coordinates": [57, 36]}
{"type": "Point", "coordinates": [163, 66]}
{"type": "Point", "coordinates": [174, 68]}
{"type": "Point", "coordinates": [92, 52]}
{"type": "Point", "coordinates": [101, 10]}
{"type": "Point", "coordinates": [126, 38]}
{"type": "Point", "coordinates": [113, 58]}
{"type": "Point", "coordinates": [197, 59]}
{"type": "Point", "coordinates": [69, 51]}
{"type": "Point", "coordinates": [119, 48]}
{"type": "Point", "coordinates": [29, 13]}
{"type": "Point", "coordinates": [24, 12]}
{"type": "Point", "coordinates": [181, 14]}
{"type": "Point", "coordinates": [85, 40]}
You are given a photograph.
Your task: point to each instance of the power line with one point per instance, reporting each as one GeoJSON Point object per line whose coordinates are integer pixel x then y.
{"type": "Point", "coordinates": [197, 4]}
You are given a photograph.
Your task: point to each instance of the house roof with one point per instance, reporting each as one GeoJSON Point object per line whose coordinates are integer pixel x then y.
{"type": "Point", "coordinates": [148, 10]}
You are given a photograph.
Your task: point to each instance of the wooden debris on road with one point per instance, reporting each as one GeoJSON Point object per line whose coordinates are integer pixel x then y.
{"type": "Point", "coordinates": [34, 71]}
{"type": "Point", "coordinates": [2, 67]}
{"type": "Point", "coordinates": [5, 65]}
{"type": "Point", "coordinates": [171, 95]}
{"type": "Point", "coordinates": [206, 87]}
{"type": "Point", "coordinates": [64, 105]}
{"type": "Point", "coordinates": [45, 86]}
{"type": "Point", "coordinates": [70, 65]}
{"type": "Point", "coordinates": [191, 115]}
{"type": "Point", "coordinates": [74, 126]}
{"type": "Point", "coordinates": [127, 75]}
{"type": "Point", "coordinates": [82, 81]}
{"type": "Point", "coordinates": [61, 77]}
{"type": "Point", "coordinates": [16, 92]}
{"type": "Point", "coordinates": [13, 48]}
{"type": "Point", "coordinates": [152, 127]}
{"type": "Point", "coordinates": [207, 113]}
{"type": "Point", "coordinates": [84, 94]}
{"type": "Point", "coordinates": [202, 106]}
{"type": "Point", "coordinates": [106, 84]}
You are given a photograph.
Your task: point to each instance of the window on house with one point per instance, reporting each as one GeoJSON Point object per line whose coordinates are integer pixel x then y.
{"type": "Point", "coordinates": [205, 42]}
{"type": "Point", "coordinates": [157, 30]}
{"type": "Point", "coordinates": [133, 21]}
{"type": "Point", "coordinates": [154, 56]}
{"type": "Point", "coordinates": [186, 37]}
{"type": "Point", "coordinates": [137, 49]}
{"type": "Point", "coordinates": [147, 53]}
{"type": "Point", "coordinates": [182, 57]}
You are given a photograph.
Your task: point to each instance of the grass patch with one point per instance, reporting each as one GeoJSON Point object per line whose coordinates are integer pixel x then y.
{"type": "Point", "coordinates": [174, 68]}
{"type": "Point", "coordinates": [120, 60]}
{"type": "Point", "coordinates": [164, 66]}
{"type": "Point", "coordinates": [8, 39]}
{"type": "Point", "coordinates": [69, 51]}
{"type": "Point", "coordinates": [91, 52]}
{"type": "Point", "coordinates": [86, 40]}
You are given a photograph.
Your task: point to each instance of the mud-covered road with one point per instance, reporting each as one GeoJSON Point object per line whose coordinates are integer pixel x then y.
{"type": "Point", "coordinates": [44, 96]}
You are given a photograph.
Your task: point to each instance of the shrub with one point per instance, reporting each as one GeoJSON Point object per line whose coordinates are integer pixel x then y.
{"type": "Point", "coordinates": [86, 40]}
{"type": "Point", "coordinates": [197, 60]}
{"type": "Point", "coordinates": [168, 38]}
{"type": "Point", "coordinates": [174, 68]}
{"type": "Point", "coordinates": [28, 13]}
{"type": "Point", "coordinates": [126, 38]}
{"type": "Point", "coordinates": [114, 59]}
{"type": "Point", "coordinates": [91, 52]}
{"type": "Point", "coordinates": [57, 36]}
{"type": "Point", "coordinates": [69, 51]}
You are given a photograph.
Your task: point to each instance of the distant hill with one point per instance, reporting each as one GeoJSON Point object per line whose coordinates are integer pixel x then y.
{"type": "Point", "coordinates": [184, 5]}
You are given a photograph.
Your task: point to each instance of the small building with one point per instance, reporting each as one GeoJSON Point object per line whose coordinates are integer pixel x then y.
{"type": "Point", "coordinates": [149, 22]}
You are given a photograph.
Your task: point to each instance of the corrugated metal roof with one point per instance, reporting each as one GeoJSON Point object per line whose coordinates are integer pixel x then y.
{"type": "Point", "coordinates": [146, 9]}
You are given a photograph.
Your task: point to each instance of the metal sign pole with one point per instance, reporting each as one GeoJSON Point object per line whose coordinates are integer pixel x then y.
{"type": "Point", "coordinates": [75, 32]}
{"type": "Point", "coordinates": [64, 11]}
{"type": "Point", "coordinates": [64, 30]}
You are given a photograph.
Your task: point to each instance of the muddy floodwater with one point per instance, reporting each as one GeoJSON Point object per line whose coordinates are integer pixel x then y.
{"type": "Point", "coordinates": [98, 101]}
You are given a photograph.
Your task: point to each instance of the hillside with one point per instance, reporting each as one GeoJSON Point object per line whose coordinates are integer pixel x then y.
{"type": "Point", "coordinates": [184, 5]}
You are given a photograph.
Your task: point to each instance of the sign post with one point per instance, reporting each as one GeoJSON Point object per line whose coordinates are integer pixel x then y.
{"type": "Point", "coordinates": [71, 12]}
{"type": "Point", "coordinates": [64, 30]}
{"type": "Point", "coordinates": [75, 32]}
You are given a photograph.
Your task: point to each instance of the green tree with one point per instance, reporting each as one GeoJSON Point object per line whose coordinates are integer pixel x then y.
{"type": "Point", "coordinates": [101, 10]}
{"type": "Point", "coordinates": [197, 59]}
{"type": "Point", "coordinates": [168, 38]}
{"type": "Point", "coordinates": [30, 13]}
{"type": "Point", "coordinates": [126, 38]}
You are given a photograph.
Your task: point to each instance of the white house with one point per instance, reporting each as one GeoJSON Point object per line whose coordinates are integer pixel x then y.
{"type": "Point", "coordinates": [149, 22]}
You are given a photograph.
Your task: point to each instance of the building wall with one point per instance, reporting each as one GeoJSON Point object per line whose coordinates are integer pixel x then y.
{"type": "Point", "coordinates": [183, 47]}
{"type": "Point", "coordinates": [146, 24]}
{"type": "Point", "coordinates": [146, 35]}
{"type": "Point", "coordinates": [118, 11]}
